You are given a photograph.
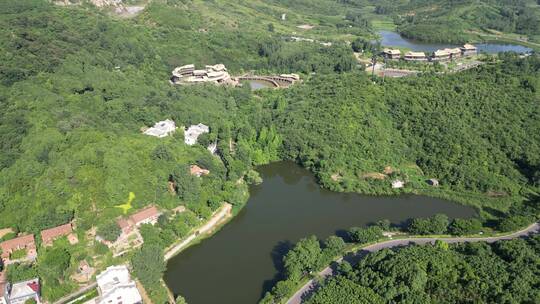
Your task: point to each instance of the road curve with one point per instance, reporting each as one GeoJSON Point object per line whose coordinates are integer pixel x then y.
{"type": "Point", "coordinates": [311, 285]}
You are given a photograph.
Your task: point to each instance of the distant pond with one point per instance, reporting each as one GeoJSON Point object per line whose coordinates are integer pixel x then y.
{"type": "Point", "coordinates": [240, 262]}
{"type": "Point", "coordinates": [258, 84]}
{"type": "Point", "coordinates": [394, 39]}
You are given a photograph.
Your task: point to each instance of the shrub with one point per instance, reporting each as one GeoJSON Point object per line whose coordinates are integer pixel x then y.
{"type": "Point", "coordinates": [365, 235]}
{"type": "Point", "coordinates": [465, 226]}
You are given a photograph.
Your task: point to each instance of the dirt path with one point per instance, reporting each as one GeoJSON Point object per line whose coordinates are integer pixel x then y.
{"type": "Point", "coordinates": [223, 213]}
{"type": "Point", "coordinates": [311, 285]}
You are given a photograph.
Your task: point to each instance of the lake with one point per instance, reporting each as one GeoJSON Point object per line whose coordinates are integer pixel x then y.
{"type": "Point", "coordinates": [240, 262]}
{"type": "Point", "coordinates": [389, 38]}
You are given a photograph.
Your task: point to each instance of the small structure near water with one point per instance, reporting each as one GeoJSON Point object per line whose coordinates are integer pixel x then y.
{"type": "Point", "coordinates": [468, 49]}
{"type": "Point", "coordinates": [433, 182]}
{"type": "Point", "coordinates": [397, 184]}
{"type": "Point", "coordinates": [392, 54]}
{"type": "Point", "coordinates": [415, 56]}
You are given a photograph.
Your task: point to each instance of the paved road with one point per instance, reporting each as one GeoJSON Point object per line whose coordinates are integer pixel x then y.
{"type": "Point", "coordinates": [352, 258]}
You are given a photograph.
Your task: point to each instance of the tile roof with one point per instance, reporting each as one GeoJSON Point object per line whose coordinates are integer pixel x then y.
{"type": "Point", "coordinates": [20, 242]}
{"type": "Point", "coordinates": [146, 213]}
{"type": "Point", "coordinates": [49, 235]}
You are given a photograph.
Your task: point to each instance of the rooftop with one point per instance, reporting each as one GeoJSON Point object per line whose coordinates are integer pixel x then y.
{"type": "Point", "coordinates": [161, 129]}
{"type": "Point", "coordinates": [49, 235]}
{"type": "Point", "coordinates": [111, 277]}
{"type": "Point", "coordinates": [439, 53]}
{"type": "Point", "coordinates": [24, 289]}
{"type": "Point", "coordinates": [415, 54]}
{"type": "Point", "coordinates": [145, 214]}
{"type": "Point", "coordinates": [16, 243]}
{"type": "Point", "coordinates": [193, 132]}
{"type": "Point", "coordinates": [392, 51]}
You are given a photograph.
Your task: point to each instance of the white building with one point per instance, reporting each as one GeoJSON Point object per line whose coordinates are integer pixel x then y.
{"type": "Point", "coordinates": [21, 292]}
{"type": "Point", "coordinates": [161, 129]}
{"type": "Point", "coordinates": [193, 132]}
{"type": "Point", "coordinates": [116, 287]}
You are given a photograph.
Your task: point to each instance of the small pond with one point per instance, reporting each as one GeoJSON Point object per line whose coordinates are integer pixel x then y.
{"type": "Point", "coordinates": [259, 84]}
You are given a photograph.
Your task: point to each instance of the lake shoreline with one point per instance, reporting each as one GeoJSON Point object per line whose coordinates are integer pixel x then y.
{"type": "Point", "coordinates": [267, 224]}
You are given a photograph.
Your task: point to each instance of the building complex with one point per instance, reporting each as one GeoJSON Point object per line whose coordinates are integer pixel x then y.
{"type": "Point", "coordinates": [438, 55]}
{"type": "Point", "coordinates": [187, 74]}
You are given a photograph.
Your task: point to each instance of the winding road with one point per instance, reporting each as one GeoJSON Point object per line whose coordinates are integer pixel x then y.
{"type": "Point", "coordinates": [306, 290]}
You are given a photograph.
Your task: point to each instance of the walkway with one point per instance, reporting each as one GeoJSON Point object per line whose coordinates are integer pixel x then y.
{"type": "Point", "coordinates": [352, 258]}
{"type": "Point", "coordinates": [76, 294]}
{"type": "Point", "coordinates": [223, 213]}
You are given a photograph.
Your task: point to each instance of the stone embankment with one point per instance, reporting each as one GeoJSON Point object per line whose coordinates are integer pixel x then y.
{"type": "Point", "coordinates": [219, 217]}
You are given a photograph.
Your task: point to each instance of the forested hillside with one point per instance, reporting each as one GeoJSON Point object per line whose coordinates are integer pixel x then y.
{"type": "Point", "coordinates": [78, 84]}
{"type": "Point", "coordinates": [459, 21]}
{"type": "Point", "coordinates": [476, 131]}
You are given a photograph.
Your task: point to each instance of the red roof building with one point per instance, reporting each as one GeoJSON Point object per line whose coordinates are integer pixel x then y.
{"type": "Point", "coordinates": [148, 215]}
{"type": "Point", "coordinates": [198, 171]}
{"type": "Point", "coordinates": [49, 235]}
{"type": "Point", "coordinates": [23, 242]}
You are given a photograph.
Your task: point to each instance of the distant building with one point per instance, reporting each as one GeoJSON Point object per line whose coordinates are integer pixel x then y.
{"type": "Point", "coordinates": [454, 53]}
{"type": "Point", "coordinates": [397, 184]}
{"type": "Point", "coordinates": [161, 129]}
{"type": "Point", "coordinates": [198, 171]}
{"type": "Point", "coordinates": [19, 293]}
{"type": "Point", "coordinates": [116, 287]}
{"type": "Point", "coordinates": [468, 50]}
{"type": "Point", "coordinates": [415, 56]}
{"type": "Point", "coordinates": [148, 215]}
{"type": "Point", "coordinates": [441, 55]}
{"type": "Point", "coordinates": [193, 132]}
{"type": "Point", "coordinates": [49, 235]}
{"type": "Point", "coordinates": [391, 54]}
{"type": "Point", "coordinates": [23, 242]}
{"type": "Point", "coordinates": [187, 74]}
{"type": "Point", "coordinates": [292, 77]}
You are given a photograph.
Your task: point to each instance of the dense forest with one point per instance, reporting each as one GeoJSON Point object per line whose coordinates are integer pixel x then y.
{"type": "Point", "coordinates": [78, 84]}
{"type": "Point", "coordinates": [460, 21]}
{"type": "Point", "coordinates": [465, 273]}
